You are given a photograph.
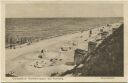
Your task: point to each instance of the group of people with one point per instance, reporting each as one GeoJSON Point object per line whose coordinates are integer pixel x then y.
{"type": "Point", "coordinates": [18, 42]}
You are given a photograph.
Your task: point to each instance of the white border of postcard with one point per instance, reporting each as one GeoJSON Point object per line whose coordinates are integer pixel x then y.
{"type": "Point", "coordinates": [61, 79]}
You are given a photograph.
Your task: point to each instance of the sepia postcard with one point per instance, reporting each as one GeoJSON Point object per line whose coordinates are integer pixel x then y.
{"type": "Point", "coordinates": [64, 41]}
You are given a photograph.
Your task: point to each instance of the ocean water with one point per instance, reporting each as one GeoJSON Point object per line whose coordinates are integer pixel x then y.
{"type": "Point", "coordinates": [52, 27]}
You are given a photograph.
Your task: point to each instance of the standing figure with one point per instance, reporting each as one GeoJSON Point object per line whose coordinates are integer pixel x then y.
{"type": "Point", "coordinates": [90, 33]}
{"type": "Point", "coordinates": [42, 54]}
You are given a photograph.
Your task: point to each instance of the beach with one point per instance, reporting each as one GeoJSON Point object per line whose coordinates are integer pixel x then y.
{"type": "Point", "coordinates": [21, 60]}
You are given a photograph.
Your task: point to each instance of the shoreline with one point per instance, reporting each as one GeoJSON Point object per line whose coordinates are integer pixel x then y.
{"type": "Point", "coordinates": [44, 43]}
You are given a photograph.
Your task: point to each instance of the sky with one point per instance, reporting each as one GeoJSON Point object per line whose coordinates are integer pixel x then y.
{"type": "Point", "coordinates": [39, 10]}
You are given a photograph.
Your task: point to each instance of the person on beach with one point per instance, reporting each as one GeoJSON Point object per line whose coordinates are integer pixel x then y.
{"type": "Point", "coordinates": [90, 32]}
{"type": "Point", "coordinates": [42, 54]}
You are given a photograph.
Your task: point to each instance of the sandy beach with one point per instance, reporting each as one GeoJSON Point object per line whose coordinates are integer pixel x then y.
{"type": "Point", "coordinates": [18, 58]}
{"type": "Point", "coordinates": [21, 60]}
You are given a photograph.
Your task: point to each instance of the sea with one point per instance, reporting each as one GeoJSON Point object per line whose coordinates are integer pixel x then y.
{"type": "Point", "coordinates": [52, 27]}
